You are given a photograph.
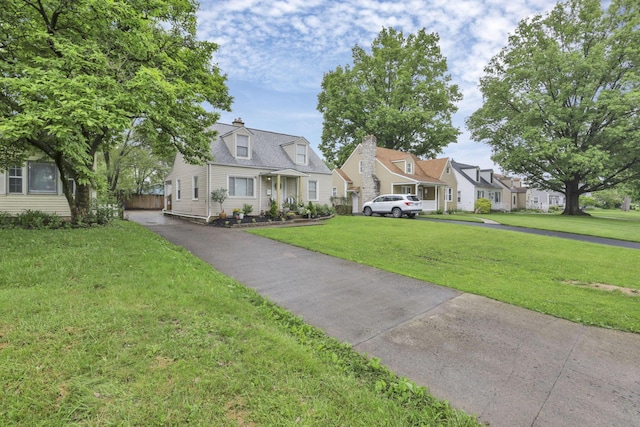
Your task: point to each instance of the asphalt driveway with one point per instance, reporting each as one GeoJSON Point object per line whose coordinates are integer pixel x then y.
{"type": "Point", "coordinates": [507, 365]}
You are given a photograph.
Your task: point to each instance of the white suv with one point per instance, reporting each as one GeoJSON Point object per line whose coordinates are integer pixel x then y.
{"type": "Point", "coordinates": [395, 204]}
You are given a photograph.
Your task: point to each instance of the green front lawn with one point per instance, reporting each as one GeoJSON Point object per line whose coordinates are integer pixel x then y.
{"type": "Point", "coordinates": [550, 275]}
{"type": "Point", "coordinates": [115, 326]}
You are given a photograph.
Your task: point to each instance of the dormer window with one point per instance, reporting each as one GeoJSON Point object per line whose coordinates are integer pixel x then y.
{"type": "Point", "coordinates": [242, 146]}
{"type": "Point", "coordinates": [409, 168]}
{"type": "Point", "coordinates": [478, 175]}
{"type": "Point", "coordinates": [301, 154]}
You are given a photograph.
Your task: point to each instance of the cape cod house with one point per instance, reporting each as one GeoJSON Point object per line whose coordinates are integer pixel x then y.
{"type": "Point", "coordinates": [475, 183]}
{"type": "Point", "coordinates": [255, 167]}
{"type": "Point", "coordinates": [370, 171]}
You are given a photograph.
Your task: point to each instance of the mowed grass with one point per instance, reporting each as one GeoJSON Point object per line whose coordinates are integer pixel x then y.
{"type": "Point", "coordinates": [549, 275]}
{"type": "Point", "coordinates": [613, 224]}
{"type": "Point", "coordinates": [115, 326]}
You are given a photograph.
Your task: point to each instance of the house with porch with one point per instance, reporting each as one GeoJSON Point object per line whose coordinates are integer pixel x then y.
{"type": "Point", "coordinates": [255, 167]}
{"type": "Point", "coordinates": [475, 183]}
{"type": "Point", "coordinates": [34, 185]}
{"type": "Point", "coordinates": [371, 170]}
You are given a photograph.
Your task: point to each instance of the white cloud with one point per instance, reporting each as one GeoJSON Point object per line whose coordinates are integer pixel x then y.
{"type": "Point", "coordinates": [282, 48]}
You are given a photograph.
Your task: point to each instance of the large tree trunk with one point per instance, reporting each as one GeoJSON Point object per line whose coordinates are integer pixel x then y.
{"type": "Point", "coordinates": [572, 202]}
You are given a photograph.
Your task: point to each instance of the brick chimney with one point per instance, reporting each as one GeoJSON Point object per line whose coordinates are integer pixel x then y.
{"type": "Point", "coordinates": [370, 183]}
{"type": "Point", "coordinates": [237, 122]}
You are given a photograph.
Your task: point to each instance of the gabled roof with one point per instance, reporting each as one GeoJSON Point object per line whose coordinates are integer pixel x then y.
{"type": "Point", "coordinates": [434, 167]}
{"type": "Point", "coordinates": [343, 175]}
{"type": "Point", "coordinates": [266, 151]}
{"type": "Point", "coordinates": [387, 157]}
{"type": "Point", "coordinates": [482, 183]}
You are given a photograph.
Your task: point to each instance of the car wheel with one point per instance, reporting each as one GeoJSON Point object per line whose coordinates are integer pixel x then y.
{"type": "Point", "coordinates": [411, 215]}
{"type": "Point", "coordinates": [397, 212]}
{"type": "Point", "coordinates": [367, 211]}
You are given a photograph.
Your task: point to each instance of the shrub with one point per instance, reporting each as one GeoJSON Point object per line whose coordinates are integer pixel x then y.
{"type": "Point", "coordinates": [6, 220]}
{"type": "Point", "coordinates": [273, 209]}
{"type": "Point", "coordinates": [247, 208]}
{"type": "Point", "coordinates": [482, 205]}
{"type": "Point", "coordinates": [37, 220]}
{"type": "Point", "coordinates": [312, 209]}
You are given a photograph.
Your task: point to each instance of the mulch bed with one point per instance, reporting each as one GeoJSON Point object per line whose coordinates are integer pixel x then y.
{"type": "Point", "coordinates": [251, 220]}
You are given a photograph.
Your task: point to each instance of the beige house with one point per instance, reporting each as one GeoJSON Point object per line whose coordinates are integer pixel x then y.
{"type": "Point", "coordinates": [370, 171]}
{"type": "Point", "coordinates": [515, 193]}
{"type": "Point", "coordinates": [34, 185]}
{"type": "Point", "coordinates": [255, 167]}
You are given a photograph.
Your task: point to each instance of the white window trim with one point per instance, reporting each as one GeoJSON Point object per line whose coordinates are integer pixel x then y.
{"type": "Point", "coordinates": [194, 187]}
{"type": "Point", "coordinates": [9, 177]}
{"type": "Point", "coordinates": [480, 194]}
{"type": "Point", "coordinates": [252, 178]}
{"type": "Point", "coordinates": [459, 196]}
{"type": "Point", "coordinates": [178, 189]}
{"type": "Point", "coordinates": [406, 189]}
{"type": "Point", "coordinates": [248, 147]}
{"type": "Point", "coordinates": [306, 154]}
{"type": "Point", "coordinates": [334, 191]}
{"type": "Point", "coordinates": [29, 177]}
{"type": "Point", "coordinates": [409, 168]}
{"type": "Point", "coordinates": [309, 190]}
{"type": "Point", "coordinates": [449, 194]}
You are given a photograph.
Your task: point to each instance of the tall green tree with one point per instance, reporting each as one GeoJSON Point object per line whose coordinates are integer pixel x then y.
{"type": "Point", "coordinates": [561, 100]}
{"type": "Point", "coordinates": [400, 92]}
{"type": "Point", "coordinates": [74, 74]}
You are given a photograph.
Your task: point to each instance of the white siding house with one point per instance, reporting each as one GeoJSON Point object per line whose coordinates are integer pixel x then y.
{"type": "Point", "coordinates": [255, 167]}
{"type": "Point", "coordinates": [34, 185]}
{"type": "Point", "coordinates": [475, 183]}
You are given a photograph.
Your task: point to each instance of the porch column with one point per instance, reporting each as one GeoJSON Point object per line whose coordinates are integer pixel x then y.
{"type": "Point", "coordinates": [278, 192]}
{"type": "Point", "coordinates": [299, 189]}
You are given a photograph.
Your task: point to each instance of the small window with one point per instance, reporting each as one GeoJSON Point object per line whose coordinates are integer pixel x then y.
{"type": "Point", "coordinates": [313, 190]}
{"type": "Point", "coordinates": [178, 189]}
{"type": "Point", "coordinates": [15, 180]}
{"type": "Point", "coordinates": [449, 193]}
{"type": "Point", "coordinates": [480, 194]}
{"type": "Point", "coordinates": [360, 167]}
{"type": "Point", "coordinates": [535, 200]}
{"type": "Point", "coordinates": [195, 188]}
{"type": "Point", "coordinates": [43, 178]}
{"type": "Point", "coordinates": [459, 196]}
{"type": "Point", "coordinates": [448, 170]}
{"type": "Point", "coordinates": [514, 200]}
{"type": "Point", "coordinates": [240, 187]}
{"type": "Point", "coordinates": [405, 189]}
{"type": "Point", "coordinates": [498, 198]}
{"type": "Point", "coordinates": [242, 146]}
{"type": "Point", "coordinates": [301, 154]}
{"type": "Point", "coordinates": [410, 168]}
{"type": "Point", "coordinates": [477, 175]}
{"type": "Point", "coordinates": [334, 192]}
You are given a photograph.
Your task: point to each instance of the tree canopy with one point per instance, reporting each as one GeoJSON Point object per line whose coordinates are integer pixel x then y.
{"type": "Point", "coordinates": [400, 92]}
{"type": "Point", "coordinates": [561, 100]}
{"type": "Point", "coordinates": [75, 74]}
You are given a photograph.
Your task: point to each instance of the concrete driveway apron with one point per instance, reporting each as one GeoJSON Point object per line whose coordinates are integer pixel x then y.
{"type": "Point", "coordinates": [507, 365]}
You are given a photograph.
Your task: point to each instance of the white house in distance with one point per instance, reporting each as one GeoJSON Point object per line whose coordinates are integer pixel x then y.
{"type": "Point", "coordinates": [255, 167]}
{"type": "Point", "coordinates": [475, 183]}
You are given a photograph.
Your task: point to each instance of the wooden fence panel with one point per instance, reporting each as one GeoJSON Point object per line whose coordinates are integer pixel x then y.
{"type": "Point", "coordinates": [144, 201]}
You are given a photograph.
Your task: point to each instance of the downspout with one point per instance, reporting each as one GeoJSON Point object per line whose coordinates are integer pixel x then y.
{"type": "Point", "coordinates": [208, 192]}
{"type": "Point", "coordinates": [259, 193]}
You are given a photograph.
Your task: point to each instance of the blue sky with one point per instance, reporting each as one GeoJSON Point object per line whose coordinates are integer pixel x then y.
{"type": "Point", "coordinates": [275, 53]}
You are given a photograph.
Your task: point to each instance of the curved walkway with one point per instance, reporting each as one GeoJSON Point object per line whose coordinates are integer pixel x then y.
{"type": "Point", "coordinates": [507, 365]}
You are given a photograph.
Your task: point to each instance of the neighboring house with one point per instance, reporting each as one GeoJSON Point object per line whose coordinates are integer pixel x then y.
{"type": "Point", "coordinates": [514, 192]}
{"type": "Point", "coordinates": [255, 166]}
{"type": "Point", "coordinates": [475, 183]}
{"type": "Point", "coordinates": [34, 185]}
{"type": "Point", "coordinates": [543, 200]}
{"type": "Point", "coordinates": [370, 171]}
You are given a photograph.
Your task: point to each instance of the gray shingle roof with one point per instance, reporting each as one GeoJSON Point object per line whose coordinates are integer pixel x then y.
{"type": "Point", "coordinates": [266, 151]}
{"type": "Point", "coordinates": [483, 183]}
